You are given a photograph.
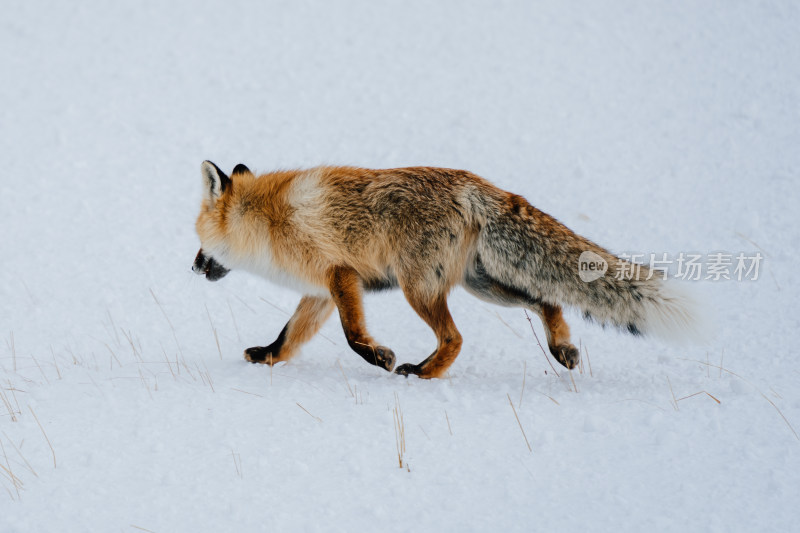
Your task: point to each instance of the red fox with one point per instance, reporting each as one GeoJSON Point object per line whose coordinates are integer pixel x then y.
{"type": "Point", "coordinates": [335, 232]}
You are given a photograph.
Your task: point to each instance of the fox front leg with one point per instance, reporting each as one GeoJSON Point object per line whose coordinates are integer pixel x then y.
{"type": "Point", "coordinates": [311, 314]}
{"type": "Point", "coordinates": [345, 287]}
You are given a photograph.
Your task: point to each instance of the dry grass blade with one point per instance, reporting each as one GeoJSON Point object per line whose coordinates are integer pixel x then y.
{"type": "Point", "coordinates": [748, 239]}
{"type": "Point", "coordinates": [113, 326]}
{"type": "Point", "coordinates": [374, 354]}
{"type": "Point", "coordinates": [528, 444]}
{"type": "Point", "coordinates": [399, 432]}
{"type": "Point", "coordinates": [13, 390]}
{"type": "Point", "coordinates": [128, 337]}
{"type": "Point", "coordinates": [40, 369]}
{"type": "Point", "coordinates": [237, 462]}
{"type": "Point", "coordinates": [208, 377]}
{"type": "Point", "coordinates": [13, 349]}
{"type": "Point", "coordinates": [524, 375]}
{"type": "Point", "coordinates": [171, 327]}
{"type": "Point", "coordinates": [169, 364]}
{"type": "Point", "coordinates": [285, 312]}
{"type": "Point", "coordinates": [345, 378]}
{"type": "Point", "coordinates": [214, 330]}
{"type": "Point", "coordinates": [113, 354]}
{"type": "Point", "coordinates": [589, 361]}
{"type": "Point", "coordinates": [539, 343]}
{"type": "Point", "coordinates": [796, 436]}
{"type": "Point", "coordinates": [550, 397]}
{"type": "Point", "coordinates": [145, 384]}
{"type": "Point", "coordinates": [17, 482]}
{"type": "Point", "coordinates": [450, 429]}
{"type": "Point", "coordinates": [318, 419]}
{"type": "Point", "coordinates": [424, 432]}
{"type": "Point", "coordinates": [45, 435]}
{"type": "Point", "coordinates": [9, 407]}
{"type": "Point", "coordinates": [20, 454]}
{"type": "Point", "coordinates": [55, 363]}
{"type": "Point", "coordinates": [244, 391]}
{"type": "Point", "coordinates": [235, 325]}
{"type": "Point", "coordinates": [696, 393]}
{"type": "Point", "coordinates": [674, 401]}
{"type": "Point", "coordinates": [500, 318]}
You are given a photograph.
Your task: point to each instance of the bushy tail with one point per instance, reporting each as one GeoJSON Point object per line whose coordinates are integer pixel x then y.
{"type": "Point", "coordinates": [527, 249]}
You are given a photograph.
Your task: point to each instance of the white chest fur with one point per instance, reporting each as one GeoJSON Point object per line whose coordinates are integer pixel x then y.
{"type": "Point", "coordinates": [263, 264]}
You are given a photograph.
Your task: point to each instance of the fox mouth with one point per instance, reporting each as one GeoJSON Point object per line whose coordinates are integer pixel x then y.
{"type": "Point", "coordinates": [204, 264]}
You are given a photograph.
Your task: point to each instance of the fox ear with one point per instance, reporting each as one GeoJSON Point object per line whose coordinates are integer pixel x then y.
{"type": "Point", "coordinates": [215, 181]}
{"type": "Point", "coordinates": [240, 169]}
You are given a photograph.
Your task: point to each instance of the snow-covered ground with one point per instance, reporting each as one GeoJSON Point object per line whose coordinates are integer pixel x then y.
{"type": "Point", "coordinates": [652, 127]}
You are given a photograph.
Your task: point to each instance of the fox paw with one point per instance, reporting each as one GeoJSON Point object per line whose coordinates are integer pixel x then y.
{"type": "Point", "coordinates": [408, 369]}
{"type": "Point", "coordinates": [567, 354]}
{"type": "Point", "coordinates": [260, 354]}
{"type": "Point", "coordinates": [384, 358]}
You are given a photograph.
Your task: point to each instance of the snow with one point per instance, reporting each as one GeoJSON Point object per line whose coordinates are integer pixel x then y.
{"type": "Point", "coordinates": [648, 127]}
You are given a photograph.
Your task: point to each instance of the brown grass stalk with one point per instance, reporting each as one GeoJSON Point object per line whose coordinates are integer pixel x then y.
{"type": "Point", "coordinates": [399, 432]}
{"type": "Point", "coordinates": [235, 325]}
{"type": "Point", "coordinates": [539, 343]}
{"type": "Point", "coordinates": [55, 363]}
{"type": "Point", "coordinates": [528, 444]}
{"type": "Point", "coordinates": [237, 462]}
{"type": "Point", "coordinates": [674, 401]}
{"type": "Point", "coordinates": [589, 361]}
{"type": "Point", "coordinates": [696, 393]}
{"type": "Point", "coordinates": [345, 378]}
{"type": "Point", "coordinates": [7, 403]}
{"type": "Point", "coordinates": [13, 349]}
{"type": "Point", "coordinates": [214, 330]}
{"type": "Point", "coordinates": [318, 419]}
{"type": "Point", "coordinates": [171, 327]}
{"type": "Point", "coordinates": [17, 482]}
{"type": "Point", "coordinates": [796, 436]}
{"type": "Point", "coordinates": [27, 464]}
{"type": "Point", "coordinates": [45, 436]}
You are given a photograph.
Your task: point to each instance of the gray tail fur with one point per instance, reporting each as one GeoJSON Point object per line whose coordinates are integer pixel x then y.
{"type": "Point", "coordinates": [527, 249]}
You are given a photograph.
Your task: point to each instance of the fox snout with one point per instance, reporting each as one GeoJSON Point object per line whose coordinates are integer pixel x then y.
{"type": "Point", "coordinates": [204, 264]}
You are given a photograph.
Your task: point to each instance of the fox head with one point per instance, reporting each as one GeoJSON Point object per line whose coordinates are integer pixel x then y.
{"type": "Point", "coordinates": [217, 191]}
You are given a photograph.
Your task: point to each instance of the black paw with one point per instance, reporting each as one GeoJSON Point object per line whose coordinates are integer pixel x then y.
{"type": "Point", "coordinates": [384, 358]}
{"type": "Point", "coordinates": [408, 369]}
{"type": "Point", "coordinates": [567, 354]}
{"type": "Point", "coordinates": [260, 354]}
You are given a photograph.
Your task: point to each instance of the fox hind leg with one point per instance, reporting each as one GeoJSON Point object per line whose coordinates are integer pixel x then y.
{"type": "Point", "coordinates": [308, 318]}
{"type": "Point", "coordinates": [480, 284]}
{"type": "Point", "coordinates": [558, 336]}
{"type": "Point", "coordinates": [436, 314]}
